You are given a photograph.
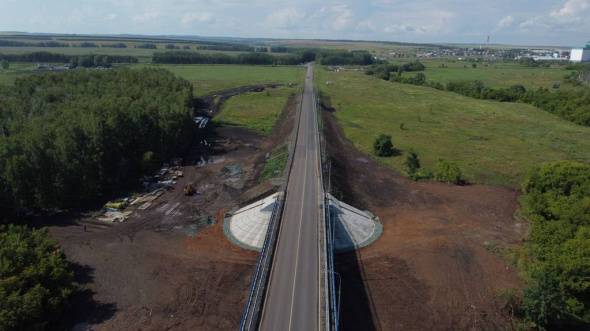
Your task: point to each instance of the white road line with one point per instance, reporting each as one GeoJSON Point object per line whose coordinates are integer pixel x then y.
{"type": "Point", "coordinates": [299, 235]}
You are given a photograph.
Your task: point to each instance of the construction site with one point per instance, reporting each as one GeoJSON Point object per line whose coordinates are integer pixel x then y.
{"type": "Point", "coordinates": [162, 259]}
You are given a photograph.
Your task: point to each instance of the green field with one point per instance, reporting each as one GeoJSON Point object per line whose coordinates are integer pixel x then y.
{"type": "Point", "coordinates": [208, 79]}
{"type": "Point", "coordinates": [493, 74]}
{"type": "Point", "coordinates": [16, 70]}
{"type": "Point", "coordinates": [256, 110]}
{"type": "Point", "coordinates": [492, 142]}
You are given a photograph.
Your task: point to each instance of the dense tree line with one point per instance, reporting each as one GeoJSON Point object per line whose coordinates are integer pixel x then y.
{"type": "Point", "coordinates": [86, 44]}
{"type": "Point", "coordinates": [115, 45]}
{"type": "Point", "coordinates": [226, 48]}
{"type": "Point", "coordinates": [278, 49]}
{"type": "Point", "coordinates": [258, 58]}
{"type": "Point", "coordinates": [384, 70]}
{"type": "Point", "coordinates": [36, 281]}
{"type": "Point", "coordinates": [67, 138]}
{"type": "Point", "coordinates": [343, 57]}
{"type": "Point", "coordinates": [146, 46]}
{"type": "Point", "coordinates": [14, 43]}
{"type": "Point", "coordinates": [47, 57]}
{"type": "Point", "coordinates": [556, 200]}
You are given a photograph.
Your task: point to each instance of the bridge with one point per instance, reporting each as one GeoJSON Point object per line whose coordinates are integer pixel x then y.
{"type": "Point", "coordinates": [297, 231]}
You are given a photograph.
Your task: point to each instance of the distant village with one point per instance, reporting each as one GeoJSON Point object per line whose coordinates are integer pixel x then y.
{"type": "Point", "coordinates": [576, 54]}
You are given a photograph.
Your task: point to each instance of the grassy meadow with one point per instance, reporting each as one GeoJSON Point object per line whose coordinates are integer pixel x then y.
{"type": "Point", "coordinates": [257, 111]}
{"type": "Point", "coordinates": [208, 79]}
{"type": "Point", "coordinates": [495, 75]}
{"type": "Point", "coordinates": [492, 142]}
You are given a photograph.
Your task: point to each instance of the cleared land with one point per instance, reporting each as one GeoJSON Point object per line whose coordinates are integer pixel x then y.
{"type": "Point", "coordinates": [492, 142]}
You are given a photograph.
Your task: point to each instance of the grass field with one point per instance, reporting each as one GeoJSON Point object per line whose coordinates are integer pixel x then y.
{"type": "Point", "coordinates": [256, 110]}
{"type": "Point", "coordinates": [16, 70]}
{"type": "Point", "coordinates": [492, 142]}
{"type": "Point", "coordinates": [493, 74]}
{"type": "Point", "coordinates": [208, 79]}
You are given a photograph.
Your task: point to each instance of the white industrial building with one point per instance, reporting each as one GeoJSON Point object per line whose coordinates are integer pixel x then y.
{"type": "Point", "coordinates": [581, 54]}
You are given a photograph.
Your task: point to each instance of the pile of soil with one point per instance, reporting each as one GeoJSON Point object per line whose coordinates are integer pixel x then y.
{"type": "Point", "coordinates": [430, 269]}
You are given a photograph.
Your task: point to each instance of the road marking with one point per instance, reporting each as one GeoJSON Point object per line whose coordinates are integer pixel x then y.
{"type": "Point", "coordinates": [299, 235]}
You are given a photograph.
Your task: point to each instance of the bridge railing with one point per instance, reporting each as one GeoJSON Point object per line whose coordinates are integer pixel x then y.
{"type": "Point", "coordinates": [250, 318]}
{"type": "Point", "coordinates": [332, 299]}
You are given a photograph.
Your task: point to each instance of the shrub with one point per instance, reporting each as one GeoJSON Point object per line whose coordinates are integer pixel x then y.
{"type": "Point", "coordinates": [383, 146]}
{"type": "Point", "coordinates": [412, 162]}
{"type": "Point", "coordinates": [447, 172]}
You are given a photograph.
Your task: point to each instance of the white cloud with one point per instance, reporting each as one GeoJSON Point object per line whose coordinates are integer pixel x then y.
{"type": "Point", "coordinates": [145, 17]}
{"type": "Point", "coordinates": [111, 17]}
{"type": "Point", "coordinates": [572, 8]}
{"type": "Point", "coordinates": [285, 18]}
{"type": "Point", "coordinates": [189, 18]}
{"type": "Point", "coordinates": [506, 21]}
{"type": "Point", "coordinates": [344, 17]}
{"type": "Point", "coordinates": [527, 24]}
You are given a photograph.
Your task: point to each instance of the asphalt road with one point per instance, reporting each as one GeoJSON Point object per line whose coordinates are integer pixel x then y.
{"type": "Point", "coordinates": [292, 299]}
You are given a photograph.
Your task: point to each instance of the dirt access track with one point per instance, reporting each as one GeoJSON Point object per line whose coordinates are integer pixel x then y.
{"type": "Point", "coordinates": [152, 272]}
{"type": "Point", "coordinates": [430, 269]}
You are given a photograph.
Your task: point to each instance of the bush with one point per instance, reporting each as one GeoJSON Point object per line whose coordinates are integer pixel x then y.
{"type": "Point", "coordinates": [448, 172]}
{"type": "Point", "coordinates": [412, 162]}
{"type": "Point", "coordinates": [383, 146]}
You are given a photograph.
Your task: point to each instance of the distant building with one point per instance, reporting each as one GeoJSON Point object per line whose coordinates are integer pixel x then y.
{"type": "Point", "coordinates": [581, 54]}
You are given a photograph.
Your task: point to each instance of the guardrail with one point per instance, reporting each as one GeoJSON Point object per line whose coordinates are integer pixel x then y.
{"type": "Point", "coordinates": [334, 318]}
{"type": "Point", "coordinates": [259, 282]}
{"type": "Point", "coordinates": [323, 229]}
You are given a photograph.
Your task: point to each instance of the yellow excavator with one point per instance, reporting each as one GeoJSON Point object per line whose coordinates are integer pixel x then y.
{"type": "Point", "coordinates": [189, 190]}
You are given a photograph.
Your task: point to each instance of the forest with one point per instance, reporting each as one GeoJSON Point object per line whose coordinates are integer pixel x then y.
{"type": "Point", "coordinates": [71, 137]}
{"type": "Point", "coordinates": [556, 200]}
{"type": "Point", "coordinates": [45, 57]}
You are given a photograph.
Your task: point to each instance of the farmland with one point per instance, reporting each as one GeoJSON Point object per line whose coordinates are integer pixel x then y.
{"type": "Point", "coordinates": [492, 142]}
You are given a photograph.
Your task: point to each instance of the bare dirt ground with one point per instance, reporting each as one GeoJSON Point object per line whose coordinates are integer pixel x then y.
{"type": "Point", "coordinates": [152, 272]}
{"type": "Point", "coordinates": [430, 269]}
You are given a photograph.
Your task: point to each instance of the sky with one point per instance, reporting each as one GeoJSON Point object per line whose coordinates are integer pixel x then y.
{"type": "Point", "coordinates": [513, 22]}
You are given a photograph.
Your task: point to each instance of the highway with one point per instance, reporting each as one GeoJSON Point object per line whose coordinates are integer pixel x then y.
{"type": "Point", "coordinates": [293, 295]}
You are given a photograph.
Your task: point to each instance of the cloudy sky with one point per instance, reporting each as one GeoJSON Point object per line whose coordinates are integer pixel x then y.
{"type": "Point", "coordinates": [521, 22]}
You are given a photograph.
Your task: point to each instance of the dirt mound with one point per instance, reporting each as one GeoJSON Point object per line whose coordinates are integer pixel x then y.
{"type": "Point", "coordinates": [430, 268]}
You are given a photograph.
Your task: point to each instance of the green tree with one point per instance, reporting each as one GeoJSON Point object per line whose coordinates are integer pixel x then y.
{"type": "Point", "coordinates": [544, 301]}
{"type": "Point", "coordinates": [35, 279]}
{"type": "Point", "coordinates": [5, 64]}
{"type": "Point", "coordinates": [383, 146]}
{"type": "Point", "coordinates": [448, 172]}
{"type": "Point", "coordinates": [412, 162]}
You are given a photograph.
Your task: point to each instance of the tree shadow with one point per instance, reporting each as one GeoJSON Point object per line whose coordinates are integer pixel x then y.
{"type": "Point", "coordinates": [84, 309]}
